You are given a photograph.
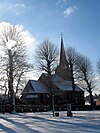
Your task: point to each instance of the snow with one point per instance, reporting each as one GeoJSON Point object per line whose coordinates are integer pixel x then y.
{"type": "Point", "coordinates": [81, 122]}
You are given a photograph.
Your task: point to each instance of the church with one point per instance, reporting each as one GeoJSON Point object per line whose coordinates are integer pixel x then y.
{"type": "Point", "coordinates": [37, 92]}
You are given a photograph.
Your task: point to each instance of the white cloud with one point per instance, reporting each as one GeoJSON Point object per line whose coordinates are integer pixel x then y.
{"type": "Point", "coordinates": [20, 5]}
{"type": "Point", "coordinates": [70, 10]}
{"type": "Point", "coordinates": [16, 9]}
{"type": "Point", "coordinates": [28, 38]}
{"type": "Point", "coordinates": [61, 1]}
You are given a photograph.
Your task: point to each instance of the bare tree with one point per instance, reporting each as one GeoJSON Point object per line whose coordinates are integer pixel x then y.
{"type": "Point", "coordinates": [13, 59]}
{"type": "Point", "coordinates": [98, 67]}
{"type": "Point", "coordinates": [86, 76]}
{"type": "Point", "coordinates": [46, 57]}
{"type": "Point", "coordinates": [72, 56]}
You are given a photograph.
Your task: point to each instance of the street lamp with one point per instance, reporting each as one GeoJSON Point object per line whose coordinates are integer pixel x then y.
{"type": "Point", "coordinates": [9, 45]}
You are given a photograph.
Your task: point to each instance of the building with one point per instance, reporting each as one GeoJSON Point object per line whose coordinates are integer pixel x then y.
{"type": "Point", "coordinates": [39, 92]}
{"type": "Point", "coordinates": [98, 102]}
{"type": "Point", "coordinates": [35, 92]}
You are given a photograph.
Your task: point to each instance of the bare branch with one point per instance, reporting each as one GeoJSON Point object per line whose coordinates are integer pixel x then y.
{"type": "Point", "coordinates": [46, 56]}
{"type": "Point", "coordinates": [18, 57]}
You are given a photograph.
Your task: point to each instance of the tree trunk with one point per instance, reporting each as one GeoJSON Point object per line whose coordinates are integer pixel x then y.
{"type": "Point", "coordinates": [73, 84]}
{"type": "Point", "coordinates": [91, 100]}
{"type": "Point", "coordinates": [52, 90]}
{"type": "Point", "coordinates": [10, 81]}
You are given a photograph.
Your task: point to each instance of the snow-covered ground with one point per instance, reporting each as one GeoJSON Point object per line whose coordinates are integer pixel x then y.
{"type": "Point", "coordinates": [81, 122]}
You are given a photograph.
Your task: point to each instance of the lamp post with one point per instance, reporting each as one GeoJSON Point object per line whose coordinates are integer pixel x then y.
{"type": "Point", "coordinates": [9, 44]}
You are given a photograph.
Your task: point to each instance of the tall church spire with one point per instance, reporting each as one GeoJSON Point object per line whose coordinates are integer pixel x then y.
{"type": "Point", "coordinates": [63, 62]}
{"type": "Point", "coordinates": [63, 69]}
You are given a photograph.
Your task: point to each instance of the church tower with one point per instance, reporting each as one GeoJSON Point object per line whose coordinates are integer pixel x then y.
{"type": "Point", "coordinates": [63, 69]}
{"type": "Point", "coordinates": [63, 62]}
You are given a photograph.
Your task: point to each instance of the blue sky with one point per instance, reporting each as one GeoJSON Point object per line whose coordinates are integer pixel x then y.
{"type": "Point", "coordinates": [78, 20]}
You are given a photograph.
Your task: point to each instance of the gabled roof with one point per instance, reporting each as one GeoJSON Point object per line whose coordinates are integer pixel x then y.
{"type": "Point", "coordinates": [60, 83]}
{"type": "Point", "coordinates": [64, 85]}
{"type": "Point", "coordinates": [39, 87]}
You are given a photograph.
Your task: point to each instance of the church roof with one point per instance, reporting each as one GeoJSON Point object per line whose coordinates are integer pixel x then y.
{"type": "Point", "coordinates": [64, 85]}
{"type": "Point", "coordinates": [60, 83]}
{"type": "Point", "coordinates": [39, 87]}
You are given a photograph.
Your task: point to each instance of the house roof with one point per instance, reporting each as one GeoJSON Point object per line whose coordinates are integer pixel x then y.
{"type": "Point", "coordinates": [39, 87]}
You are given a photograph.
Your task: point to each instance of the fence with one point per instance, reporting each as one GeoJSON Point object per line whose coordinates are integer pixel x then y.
{"type": "Point", "coordinates": [23, 108]}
